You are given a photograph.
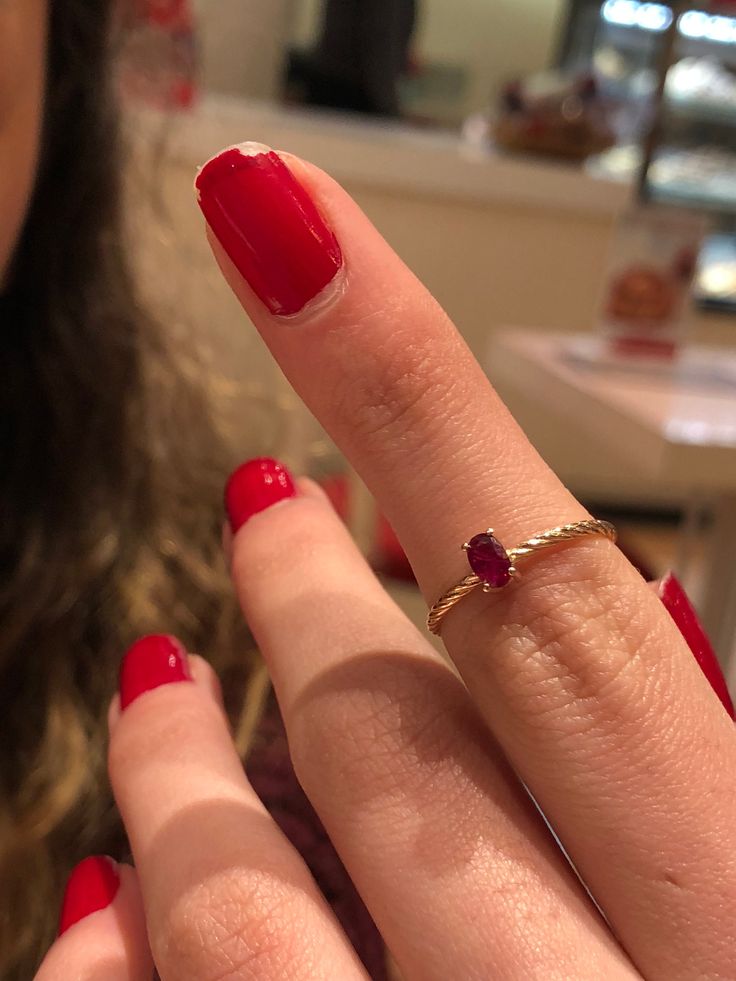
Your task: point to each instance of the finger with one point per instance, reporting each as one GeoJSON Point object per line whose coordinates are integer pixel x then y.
{"type": "Point", "coordinates": [225, 894]}
{"type": "Point", "coordinates": [430, 822]}
{"type": "Point", "coordinates": [375, 357]}
{"type": "Point", "coordinates": [577, 667]}
{"type": "Point", "coordinates": [102, 935]}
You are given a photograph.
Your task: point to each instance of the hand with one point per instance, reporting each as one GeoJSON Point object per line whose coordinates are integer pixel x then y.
{"type": "Point", "coordinates": [575, 674]}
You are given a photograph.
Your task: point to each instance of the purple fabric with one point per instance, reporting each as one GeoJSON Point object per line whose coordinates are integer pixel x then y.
{"type": "Point", "coordinates": [270, 772]}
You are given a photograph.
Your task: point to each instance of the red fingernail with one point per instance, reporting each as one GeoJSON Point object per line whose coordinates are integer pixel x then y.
{"type": "Point", "coordinates": [683, 613]}
{"type": "Point", "coordinates": [151, 662]}
{"type": "Point", "coordinates": [255, 486]}
{"type": "Point", "coordinates": [92, 886]}
{"type": "Point", "coordinates": [268, 225]}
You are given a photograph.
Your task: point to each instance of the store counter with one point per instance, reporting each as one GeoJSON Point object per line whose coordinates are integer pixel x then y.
{"type": "Point", "coordinates": [669, 427]}
{"type": "Point", "coordinates": [384, 154]}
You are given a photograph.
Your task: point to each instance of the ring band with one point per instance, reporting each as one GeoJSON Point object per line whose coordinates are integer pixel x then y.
{"type": "Point", "coordinates": [494, 566]}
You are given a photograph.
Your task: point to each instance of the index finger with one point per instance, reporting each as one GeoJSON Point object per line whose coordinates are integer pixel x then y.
{"type": "Point", "coordinates": [577, 669]}
{"type": "Point", "coordinates": [375, 358]}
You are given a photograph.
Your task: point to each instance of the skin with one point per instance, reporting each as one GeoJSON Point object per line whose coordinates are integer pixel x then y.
{"type": "Point", "coordinates": [576, 675]}
{"type": "Point", "coordinates": [22, 74]}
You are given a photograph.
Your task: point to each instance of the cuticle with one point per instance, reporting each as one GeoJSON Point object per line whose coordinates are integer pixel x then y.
{"type": "Point", "coordinates": [327, 297]}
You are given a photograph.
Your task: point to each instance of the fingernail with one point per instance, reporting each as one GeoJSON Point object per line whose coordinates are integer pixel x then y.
{"type": "Point", "coordinates": [683, 613]}
{"type": "Point", "coordinates": [268, 225]}
{"type": "Point", "coordinates": [151, 662]}
{"type": "Point", "coordinates": [92, 885]}
{"type": "Point", "coordinates": [255, 486]}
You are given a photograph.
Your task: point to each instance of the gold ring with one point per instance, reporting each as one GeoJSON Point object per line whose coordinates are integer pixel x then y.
{"type": "Point", "coordinates": [494, 566]}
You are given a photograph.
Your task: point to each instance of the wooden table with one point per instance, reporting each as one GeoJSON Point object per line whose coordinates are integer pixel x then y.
{"type": "Point", "coordinates": [672, 426]}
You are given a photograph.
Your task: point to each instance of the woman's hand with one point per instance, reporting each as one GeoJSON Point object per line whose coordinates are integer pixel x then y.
{"type": "Point", "coordinates": [575, 674]}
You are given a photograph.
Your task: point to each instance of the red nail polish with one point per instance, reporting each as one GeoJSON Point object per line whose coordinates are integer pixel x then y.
{"type": "Point", "coordinates": [151, 662]}
{"type": "Point", "coordinates": [268, 225]}
{"type": "Point", "coordinates": [92, 886]}
{"type": "Point", "coordinates": [255, 486]}
{"type": "Point", "coordinates": [683, 613]}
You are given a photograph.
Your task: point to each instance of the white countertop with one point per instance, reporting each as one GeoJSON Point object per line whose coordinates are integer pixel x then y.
{"type": "Point", "coordinates": [670, 424]}
{"type": "Point", "coordinates": [406, 159]}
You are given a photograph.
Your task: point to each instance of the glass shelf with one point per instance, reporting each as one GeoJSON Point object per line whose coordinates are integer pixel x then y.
{"type": "Point", "coordinates": [702, 111]}
{"type": "Point", "coordinates": [701, 177]}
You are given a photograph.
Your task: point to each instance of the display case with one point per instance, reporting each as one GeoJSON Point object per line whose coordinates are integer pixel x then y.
{"type": "Point", "coordinates": [691, 161]}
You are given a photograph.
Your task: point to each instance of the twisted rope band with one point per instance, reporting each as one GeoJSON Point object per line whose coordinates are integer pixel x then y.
{"type": "Point", "coordinates": [554, 536]}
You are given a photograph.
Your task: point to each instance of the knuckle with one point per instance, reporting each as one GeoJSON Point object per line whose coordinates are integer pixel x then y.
{"type": "Point", "coordinates": [388, 400]}
{"type": "Point", "coordinates": [232, 926]}
{"type": "Point", "coordinates": [144, 733]}
{"type": "Point", "coordinates": [307, 533]}
{"type": "Point", "coordinates": [568, 653]}
{"type": "Point", "coordinates": [381, 738]}
{"type": "Point", "coordinates": [130, 744]}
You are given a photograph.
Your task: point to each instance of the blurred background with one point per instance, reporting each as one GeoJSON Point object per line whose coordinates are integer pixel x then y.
{"type": "Point", "coordinates": [560, 173]}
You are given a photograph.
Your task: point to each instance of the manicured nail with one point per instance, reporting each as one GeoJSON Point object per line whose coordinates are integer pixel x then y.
{"type": "Point", "coordinates": [255, 486]}
{"type": "Point", "coordinates": [92, 886]}
{"type": "Point", "coordinates": [268, 225]}
{"type": "Point", "coordinates": [151, 662]}
{"type": "Point", "coordinates": [683, 613]}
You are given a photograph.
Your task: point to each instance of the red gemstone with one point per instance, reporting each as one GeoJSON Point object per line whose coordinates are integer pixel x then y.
{"type": "Point", "coordinates": [489, 560]}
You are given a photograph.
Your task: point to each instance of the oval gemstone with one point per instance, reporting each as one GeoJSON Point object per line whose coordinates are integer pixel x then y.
{"type": "Point", "coordinates": [489, 560]}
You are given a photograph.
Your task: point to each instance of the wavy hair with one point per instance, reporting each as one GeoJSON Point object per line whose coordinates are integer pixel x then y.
{"type": "Point", "coordinates": [110, 526]}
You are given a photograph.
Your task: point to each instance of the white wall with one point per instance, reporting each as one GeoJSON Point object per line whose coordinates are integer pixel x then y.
{"type": "Point", "coordinates": [242, 45]}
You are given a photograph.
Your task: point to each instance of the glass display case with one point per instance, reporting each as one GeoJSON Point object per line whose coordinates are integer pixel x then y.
{"type": "Point", "coordinates": [691, 161]}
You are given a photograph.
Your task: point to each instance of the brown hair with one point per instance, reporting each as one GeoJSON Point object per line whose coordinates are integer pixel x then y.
{"type": "Point", "coordinates": [110, 525]}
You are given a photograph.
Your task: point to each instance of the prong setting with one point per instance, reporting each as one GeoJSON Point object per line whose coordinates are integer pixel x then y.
{"type": "Point", "coordinates": [489, 560]}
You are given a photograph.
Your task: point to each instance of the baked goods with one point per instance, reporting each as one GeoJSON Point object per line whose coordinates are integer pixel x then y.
{"type": "Point", "coordinates": [554, 115]}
